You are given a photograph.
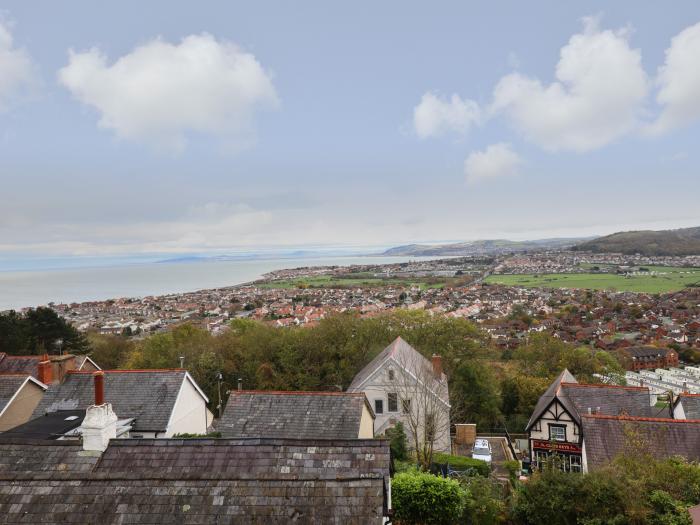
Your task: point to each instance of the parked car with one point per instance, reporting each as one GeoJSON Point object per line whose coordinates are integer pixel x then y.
{"type": "Point", "coordinates": [482, 450]}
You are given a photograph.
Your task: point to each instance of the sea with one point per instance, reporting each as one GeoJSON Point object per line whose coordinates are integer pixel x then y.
{"type": "Point", "coordinates": [37, 287]}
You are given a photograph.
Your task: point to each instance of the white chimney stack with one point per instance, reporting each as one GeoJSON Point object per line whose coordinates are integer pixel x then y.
{"type": "Point", "coordinates": [99, 426]}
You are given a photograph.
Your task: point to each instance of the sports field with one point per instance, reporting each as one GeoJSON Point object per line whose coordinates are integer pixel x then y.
{"type": "Point", "coordinates": [658, 279]}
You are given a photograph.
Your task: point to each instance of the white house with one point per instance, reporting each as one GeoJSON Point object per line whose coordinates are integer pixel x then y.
{"type": "Point", "coordinates": [161, 403]}
{"type": "Point", "coordinates": [402, 385]}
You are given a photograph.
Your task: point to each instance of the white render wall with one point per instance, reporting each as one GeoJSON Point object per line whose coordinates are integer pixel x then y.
{"type": "Point", "coordinates": [190, 414]}
{"type": "Point", "coordinates": [556, 416]}
{"type": "Point", "coordinates": [378, 385]}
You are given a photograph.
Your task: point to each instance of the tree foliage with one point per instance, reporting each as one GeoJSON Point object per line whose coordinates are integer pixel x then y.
{"type": "Point", "coordinates": [420, 498]}
{"type": "Point", "coordinates": [632, 490]}
{"type": "Point", "coordinates": [37, 331]}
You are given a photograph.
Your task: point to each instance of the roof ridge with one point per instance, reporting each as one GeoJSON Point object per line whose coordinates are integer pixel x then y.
{"type": "Point", "coordinates": [596, 385]}
{"type": "Point", "coordinates": [137, 370]}
{"type": "Point", "coordinates": [638, 418]}
{"type": "Point", "coordinates": [298, 392]}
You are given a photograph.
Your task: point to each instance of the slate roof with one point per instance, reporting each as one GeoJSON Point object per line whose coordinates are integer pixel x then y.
{"type": "Point", "coordinates": [146, 395]}
{"type": "Point", "coordinates": [691, 405]}
{"type": "Point", "coordinates": [23, 455]}
{"type": "Point", "coordinates": [9, 385]}
{"type": "Point", "coordinates": [405, 356]}
{"type": "Point", "coordinates": [609, 400]}
{"type": "Point", "coordinates": [641, 352]}
{"type": "Point", "coordinates": [49, 426]}
{"type": "Point", "coordinates": [19, 364]}
{"type": "Point", "coordinates": [306, 415]}
{"type": "Point", "coordinates": [607, 436]}
{"type": "Point", "coordinates": [209, 481]}
{"type": "Point", "coordinates": [578, 398]}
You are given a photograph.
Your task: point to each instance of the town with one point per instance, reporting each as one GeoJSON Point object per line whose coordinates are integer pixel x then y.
{"type": "Point", "coordinates": [455, 287]}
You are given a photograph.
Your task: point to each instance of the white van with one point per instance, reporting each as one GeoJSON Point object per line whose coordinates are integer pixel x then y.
{"type": "Point", "coordinates": [482, 450]}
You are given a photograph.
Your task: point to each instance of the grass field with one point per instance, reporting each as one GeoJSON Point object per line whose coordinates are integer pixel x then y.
{"type": "Point", "coordinates": [660, 279]}
{"type": "Point", "coordinates": [328, 281]}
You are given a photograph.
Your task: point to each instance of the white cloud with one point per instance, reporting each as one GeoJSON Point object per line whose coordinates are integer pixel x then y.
{"type": "Point", "coordinates": [434, 116]}
{"type": "Point", "coordinates": [597, 97]}
{"type": "Point", "coordinates": [161, 91]}
{"type": "Point", "coordinates": [679, 82]}
{"type": "Point", "coordinates": [498, 160]}
{"type": "Point", "coordinates": [16, 68]}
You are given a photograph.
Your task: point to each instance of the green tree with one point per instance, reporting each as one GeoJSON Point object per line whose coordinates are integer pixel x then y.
{"type": "Point", "coordinates": [474, 395]}
{"type": "Point", "coordinates": [37, 331]}
{"type": "Point", "coordinates": [398, 442]}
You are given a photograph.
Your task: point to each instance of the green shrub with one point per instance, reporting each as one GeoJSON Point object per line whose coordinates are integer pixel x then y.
{"type": "Point", "coordinates": [420, 498]}
{"type": "Point", "coordinates": [462, 463]}
{"type": "Point", "coordinates": [398, 442]}
{"type": "Point", "coordinates": [485, 504]}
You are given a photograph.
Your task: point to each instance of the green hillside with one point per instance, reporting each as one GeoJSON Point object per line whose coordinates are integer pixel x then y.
{"type": "Point", "coordinates": [665, 242]}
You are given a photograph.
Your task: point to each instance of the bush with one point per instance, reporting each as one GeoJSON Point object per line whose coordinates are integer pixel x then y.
{"type": "Point", "coordinates": [398, 443]}
{"type": "Point", "coordinates": [420, 498]}
{"type": "Point", "coordinates": [462, 463]}
{"type": "Point", "coordinates": [485, 504]}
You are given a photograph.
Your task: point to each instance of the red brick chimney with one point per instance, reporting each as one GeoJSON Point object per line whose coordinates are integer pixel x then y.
{"type": "Point", "coordinates": [44, 371]}
{"type": "Point", "coordinates": [437, 365]}
{"type": "Point", "coordinates": [99, 387]}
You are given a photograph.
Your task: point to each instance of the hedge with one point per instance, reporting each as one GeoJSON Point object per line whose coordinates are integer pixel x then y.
{"type": "Point", "coordinates": [421, 498]}
{"type": "Point", "coordinates": [462, 463]}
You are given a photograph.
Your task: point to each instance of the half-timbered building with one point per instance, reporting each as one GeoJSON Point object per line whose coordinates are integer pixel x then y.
{"type": "Point", "coordinates": [555, 427]}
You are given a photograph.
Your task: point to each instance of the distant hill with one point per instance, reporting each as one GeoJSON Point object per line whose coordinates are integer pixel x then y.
{"type": "Point", "coordinates": [685, 241]}
{"type": "Point", "coordinates": [485, 247]}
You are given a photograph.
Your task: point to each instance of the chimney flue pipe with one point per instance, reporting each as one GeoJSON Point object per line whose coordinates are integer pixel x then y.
{"type": "Point", "coordinates": [99, 388]}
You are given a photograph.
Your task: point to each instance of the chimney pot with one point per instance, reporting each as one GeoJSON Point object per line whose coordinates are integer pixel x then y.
{"type": "Point", "coordinates": [99, 377]}
{"type": "Point", "coordinates": [44, 372]}
{"type": "Point", "coordinates": [437, 365]}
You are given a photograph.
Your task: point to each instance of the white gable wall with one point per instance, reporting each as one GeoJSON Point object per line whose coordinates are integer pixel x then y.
{"type": "Point", "coordinates": [190, 414]}
{"type": "Point", "coordinates": [379, 385]}
{"type": "Point", "coordinates": [555, 415]}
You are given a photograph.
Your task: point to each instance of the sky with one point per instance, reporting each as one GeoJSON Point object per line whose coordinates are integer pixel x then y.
{"type": "Point", "coordinates": [131, 128]}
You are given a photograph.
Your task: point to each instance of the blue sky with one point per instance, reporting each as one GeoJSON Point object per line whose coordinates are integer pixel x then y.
{"type": "Point", "coordinates": [160, 127]}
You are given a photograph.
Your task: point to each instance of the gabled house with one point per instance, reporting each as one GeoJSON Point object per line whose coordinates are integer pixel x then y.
{"type": "Point", "coordinates": [302, 415]}
{"type": "Point", "coordinates": [687, 406]}
{"type": "Point", "coordinates": [161, 403]}
{"type": "Point", "coordinates": [555, 426]}
{"type": "Point", "coordinates": [402, 385]}
{"type": "Point", "coordinates": [46, 368]}
{"type": "Point", "coordinates": [19, 396]}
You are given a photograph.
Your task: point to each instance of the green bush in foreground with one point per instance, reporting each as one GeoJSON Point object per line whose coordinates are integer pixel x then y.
{"type": "Point", "coordinates": [462, 463]}
{"type": "Point", "coordinates": [420, 498]}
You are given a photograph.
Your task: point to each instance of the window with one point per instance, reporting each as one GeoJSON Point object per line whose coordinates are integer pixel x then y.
{"type": "Point", "coordinates": [540, 458]}
{"type": "Point", "coordinates": [557, 433]}
{"type": "Point", "coordinates": [391, 374]}
{"type": "Point", "coordinates": [393, 402]}
{"type": "Point", "coordinates": [575, 462]}
{"type": "Point", "coordinates": [406, 406]}
{"type": "Point", "coordinates": [378, 406]}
